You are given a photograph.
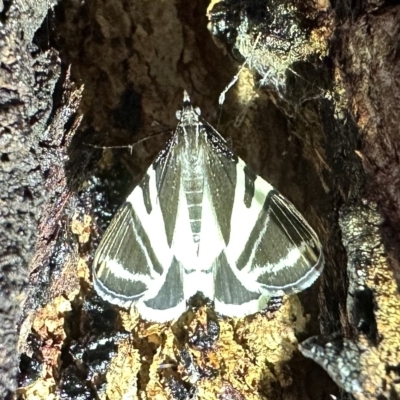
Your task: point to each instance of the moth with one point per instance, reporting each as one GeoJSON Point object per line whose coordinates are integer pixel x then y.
{"type": "Point", "coordinates": [202, 221]}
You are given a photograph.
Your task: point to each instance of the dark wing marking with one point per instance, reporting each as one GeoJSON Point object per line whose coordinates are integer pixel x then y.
{"type": "Point", "coordinates": [169, 302]}
{"type": "Point", "coordinates": [289, 255]}
{"type": "Point", "coordinates": [167, 167]}
{"type": "Point", "coordinates": [145, 185]}
{"type": "Point", "coordinates": [220, 177]}
{"type": "Point", "coordinates": [282, 252]}
{"type": "Point", "coordinates": [125, 262]}
{"type": "Point", "coordinates": [171, 293]}
{"type": "Point", "coordinates": [232, 297]}
{"type": "Point", "coordinates": [228, 288]}
{"type": "Point", "coordinates": [249, 180]}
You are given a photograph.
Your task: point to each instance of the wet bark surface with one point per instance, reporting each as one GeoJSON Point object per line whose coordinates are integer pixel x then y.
{"type": "Point", "coordinates": [313, 112]}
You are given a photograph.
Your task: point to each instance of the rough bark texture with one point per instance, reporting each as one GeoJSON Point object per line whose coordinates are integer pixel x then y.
{"type": "Point", "coordinates": [322, 128]}
{"type": "Point", "coordinates": [27, 79]}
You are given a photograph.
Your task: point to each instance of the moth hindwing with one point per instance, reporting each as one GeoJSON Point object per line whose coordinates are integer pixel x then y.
{"type": "Point", "coordinates": [201, 220]}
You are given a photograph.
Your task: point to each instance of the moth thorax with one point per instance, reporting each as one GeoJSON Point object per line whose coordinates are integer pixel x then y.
{"type": "Point", "coordinates": [193, 158]}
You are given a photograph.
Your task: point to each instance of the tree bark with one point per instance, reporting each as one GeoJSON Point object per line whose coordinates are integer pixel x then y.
{"type": "Point", "coordinates": [313, 112]}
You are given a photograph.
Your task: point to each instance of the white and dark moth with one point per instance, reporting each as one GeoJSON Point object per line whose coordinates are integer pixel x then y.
{"type": "Point", "coordinates": [202, 221]}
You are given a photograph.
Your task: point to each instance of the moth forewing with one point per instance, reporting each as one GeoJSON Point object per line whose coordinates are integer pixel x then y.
{"type": "Point", "coordinates": [127, 266]}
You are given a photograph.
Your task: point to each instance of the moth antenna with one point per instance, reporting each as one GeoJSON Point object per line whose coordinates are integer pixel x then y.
{"type": "Point", "coordinates": [130, 146]}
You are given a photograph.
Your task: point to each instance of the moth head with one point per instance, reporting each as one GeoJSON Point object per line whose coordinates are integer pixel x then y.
{"type": "Point", "coordinates": [188, 115]}
{"type": "Point", "coordinates": [179, 113]}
